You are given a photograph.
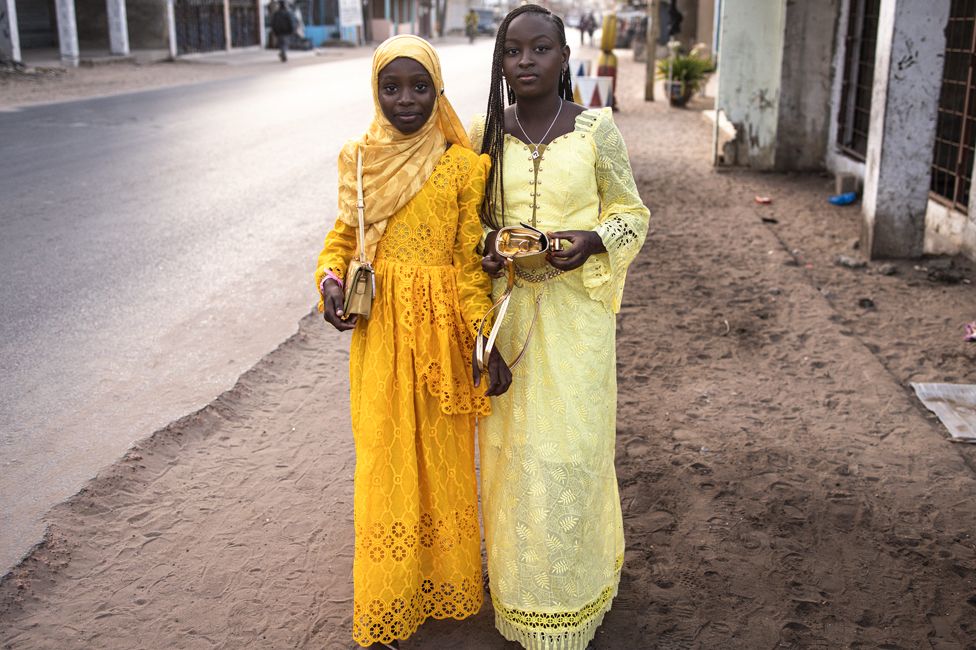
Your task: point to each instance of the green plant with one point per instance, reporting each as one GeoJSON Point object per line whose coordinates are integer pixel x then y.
{"type": "Point", "coordinates": [688, 69]}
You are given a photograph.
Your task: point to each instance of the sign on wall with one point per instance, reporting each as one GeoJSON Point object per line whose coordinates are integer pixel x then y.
{"type": "Point", "coordinates": [350, 13]}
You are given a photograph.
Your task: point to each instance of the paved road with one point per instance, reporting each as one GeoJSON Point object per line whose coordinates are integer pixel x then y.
{"type": "Point", "coordinates": [155, 245]}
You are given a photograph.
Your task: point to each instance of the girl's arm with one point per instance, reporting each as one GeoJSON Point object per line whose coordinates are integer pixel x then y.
{"type": "Point", "coordinates": [474, 286]}
{"type": "Point", "coordinates": [623, 218]}
{"type": "Point", "coordinates": [339, 248]}
{"type": "Point", "coordinates": [340, 243]}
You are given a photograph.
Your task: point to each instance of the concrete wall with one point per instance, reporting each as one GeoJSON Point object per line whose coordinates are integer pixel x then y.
{"type": "Point", "coordinates": [454, 17]}
{"type": "Point", "coordinates": [948, 232]}
{"type": "Point", "coordinates": [37, 23]}
{"type": "Point", "coordinates": [907, 82]}
{"type": "Point", "coordinates": [689, 22]}
{"type": "Point", "coordinates": [381, 29]}
{"type": "Point", "coordinates": [147, 24]}
{"type": "Point", "coordinates": [750, 76]}
{"type": "Point", "coordinates": [805, 85]}
{"type": "Point", "coordinates": [706, 23]}
{"type": "Point", "coordinates": [92, 24]}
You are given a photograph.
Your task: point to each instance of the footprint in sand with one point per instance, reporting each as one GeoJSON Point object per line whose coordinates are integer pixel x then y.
{"type": "Point", "coordinates": [637, 448]}
{"type": "Point", "coordinates": [701, 469]}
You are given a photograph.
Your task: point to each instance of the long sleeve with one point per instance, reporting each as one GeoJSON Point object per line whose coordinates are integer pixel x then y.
{"type": "Point", "coordinates": [623, 216]}
{"type": "Point", "coordinates": [339, 248]}
{"type": "Point", "coordinates": [474, 285]}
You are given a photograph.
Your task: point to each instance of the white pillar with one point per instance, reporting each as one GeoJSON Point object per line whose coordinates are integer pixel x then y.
{"type": "Point", "coordinates": [904, 109]}
{"type": "Point", "coordinates": [118, 27]}
{"type": "Point", "coordinates": [9, 32]}
{"type": "Point", "coordinates": [227, 36]}
{"type": "Point", "coordinates": [262, 37]}
{"type": "Point", "coordinates": [68, 32]}
{"type": "Point", "coordinates": [752, 48]}
{"type": "Point", "coordinates": [171, 27]}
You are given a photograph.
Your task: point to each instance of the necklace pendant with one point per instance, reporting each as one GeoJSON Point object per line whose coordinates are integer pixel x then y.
{"type": "Point", "coordinates": [535, 154]}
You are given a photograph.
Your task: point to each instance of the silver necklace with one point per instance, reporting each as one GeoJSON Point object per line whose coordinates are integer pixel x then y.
{"type": "Point", "coordinates": [535, 147]}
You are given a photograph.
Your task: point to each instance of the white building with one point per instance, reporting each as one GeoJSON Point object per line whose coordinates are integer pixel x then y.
{"type": "Point", "coordinates": [96, 28]}
{"type": "Point", "coordinates": [114, 27]}
{"type": "Point", "coordinates": [882, 89]}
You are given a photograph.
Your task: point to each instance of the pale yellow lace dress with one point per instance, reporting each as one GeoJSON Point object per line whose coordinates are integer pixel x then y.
{"type": "Point", "coordinates": [413, 407]}
{"type": "Point", "coordinates": [554, 529]}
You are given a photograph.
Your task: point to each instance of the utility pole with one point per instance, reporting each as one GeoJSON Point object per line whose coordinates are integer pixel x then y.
{"type": "Point", "coordinates": [653, 29]}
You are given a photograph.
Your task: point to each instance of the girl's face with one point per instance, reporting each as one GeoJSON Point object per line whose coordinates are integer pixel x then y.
{"type": "Point", "coordinates": [533, 58]}
{"type": "Point", "coordinates": [406, 94]}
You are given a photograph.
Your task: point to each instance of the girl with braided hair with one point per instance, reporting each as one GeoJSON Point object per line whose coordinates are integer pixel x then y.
{"type": "Point", "coordinates": [553, 525]}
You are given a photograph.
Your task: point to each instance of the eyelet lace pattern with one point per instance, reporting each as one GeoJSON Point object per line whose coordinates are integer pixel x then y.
{"type": "Point", "coordinates": [413, 407]}
{"type": "Point", "coordinates": [553, 525]}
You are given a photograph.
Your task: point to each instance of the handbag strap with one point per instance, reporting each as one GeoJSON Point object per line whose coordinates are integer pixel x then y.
{"type": "Point", "coordinates": [360, 205]}
{"type": "Point", "coordinates": [482, 347]}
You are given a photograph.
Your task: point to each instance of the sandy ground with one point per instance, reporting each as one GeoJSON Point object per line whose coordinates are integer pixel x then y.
{"type": "Point", "coordinates": [781, 486]}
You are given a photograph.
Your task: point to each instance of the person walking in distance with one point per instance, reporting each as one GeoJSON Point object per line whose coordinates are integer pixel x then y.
{"type": "Point", "coordinates": [590, 25]}
{"type": "Point", "coordinates": [471, 25]}
{"type": "Point", "coordinates": [282, 26]}
{"type": "Point", "coordinates": [583, 23]}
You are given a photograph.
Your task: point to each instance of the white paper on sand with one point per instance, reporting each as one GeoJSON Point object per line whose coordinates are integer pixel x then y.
{"type": "Point", "coordinates": [955, 404]}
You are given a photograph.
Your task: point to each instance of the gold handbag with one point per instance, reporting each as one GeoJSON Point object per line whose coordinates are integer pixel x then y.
{"type": "Point", "coordinates": [524, 245]}
{"type": "Point", "coordinates": [360, 286]}
{"type": "Point", "coordinates": [524, 249]}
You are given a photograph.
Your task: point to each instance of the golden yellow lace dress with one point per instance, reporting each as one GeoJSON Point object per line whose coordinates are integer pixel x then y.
{"type": "Point", "coordinates": [413, 407]}
{"type": "Point", "coordinates": [553, 524]}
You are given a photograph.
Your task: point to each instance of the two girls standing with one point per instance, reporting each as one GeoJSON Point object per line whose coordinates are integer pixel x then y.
{"type": "Point", "coordinates": [553, 525]}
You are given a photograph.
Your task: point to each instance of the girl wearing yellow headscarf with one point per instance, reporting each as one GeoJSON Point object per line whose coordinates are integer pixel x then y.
{"type": "Point", "coordinates": [413, 404]}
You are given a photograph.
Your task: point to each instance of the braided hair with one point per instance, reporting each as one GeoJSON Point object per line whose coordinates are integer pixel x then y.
{"type": "Point", "coordinates": [493, 141]}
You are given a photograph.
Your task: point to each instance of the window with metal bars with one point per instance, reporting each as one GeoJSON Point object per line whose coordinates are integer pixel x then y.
{"type": "Point", "coordinates": [855, 104]}
{"type": "Point", "coordinates": [199, 26]}
{"type": "Point", "coordinates": [955, 131]}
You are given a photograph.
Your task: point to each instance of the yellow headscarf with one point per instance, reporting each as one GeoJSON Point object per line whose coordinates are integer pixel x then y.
{"type": "Point", "coordinates": [396, 165]}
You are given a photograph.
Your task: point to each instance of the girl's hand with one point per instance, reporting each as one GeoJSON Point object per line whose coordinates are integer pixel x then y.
{"type": "Point", "coordinates": [499, 374]}
{"type": "Point", "coordinates": [492, 263]}
{"type": "Point", "coordinates": [576, 247]}
{"type": "Point", "coordinates": [333, 298]}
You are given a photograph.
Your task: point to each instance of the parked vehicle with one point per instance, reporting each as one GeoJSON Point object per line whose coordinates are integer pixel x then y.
{"type": "Point", "coordinates": [488, 20]}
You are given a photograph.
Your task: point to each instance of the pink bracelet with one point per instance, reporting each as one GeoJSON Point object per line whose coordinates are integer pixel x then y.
{"type": "Point", "coordinates": [329, 275]}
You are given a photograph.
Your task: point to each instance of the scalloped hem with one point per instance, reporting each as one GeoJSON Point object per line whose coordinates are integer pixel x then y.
{"type": "Point", "coordinates": [575, 638]}
{"type": "Point", "coordinates": [455, 396]}
{"type": "Point", "coordinates": [437, 617]}
{"type": "Point", "coordinates": [531, 639]}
